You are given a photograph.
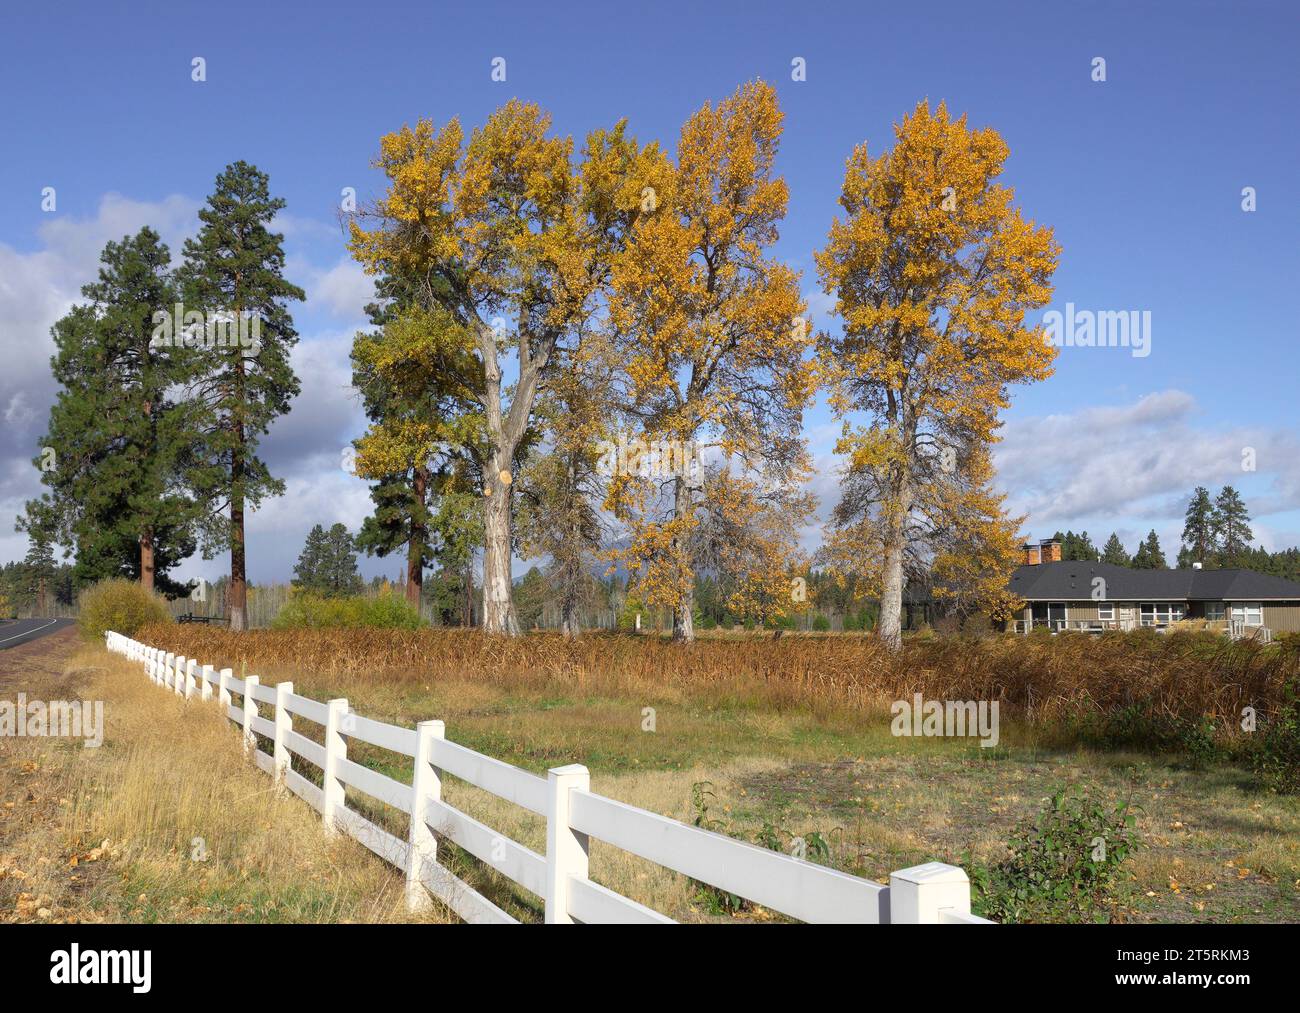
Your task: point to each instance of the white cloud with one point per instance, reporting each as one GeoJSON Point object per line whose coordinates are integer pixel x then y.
{"type": "Point", "coordinates": [1134, 465]}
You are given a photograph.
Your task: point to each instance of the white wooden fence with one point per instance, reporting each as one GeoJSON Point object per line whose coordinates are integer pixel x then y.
{"type": "Point", "coordinates": [933, 893]}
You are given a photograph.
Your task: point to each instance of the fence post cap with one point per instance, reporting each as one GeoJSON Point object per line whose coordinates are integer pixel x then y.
{"type": "Point", "coordinates": [931, 872]}
{"type": "Point", "coordinates": [569, 770]}
{"type": "Point", "coordinates": [433, 723]}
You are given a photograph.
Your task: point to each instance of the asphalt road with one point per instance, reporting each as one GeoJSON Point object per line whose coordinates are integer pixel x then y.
{"type": "Point", "coordinates": [22, 631]}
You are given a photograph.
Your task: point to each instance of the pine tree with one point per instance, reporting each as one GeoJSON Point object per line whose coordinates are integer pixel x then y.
{"type": "Point", "coordinates": [1232, 526]}
{"type": "Point", "coordinates": [40, 568]}
{"type": "Point", "coordinates": [309, 570]}
{"type": "Point", "coordinates": [1149, 555]}
{"type": "Point", "coordinates": [1114, 552]}
{"type": "Point", "coordinates": [119, 482]}
{"type": "Point", "coordinates": [339, 573]}
{"type": "Point", "coordinates": [1199, 528]}
{"type": "Point", "coordinates": [234, 271]}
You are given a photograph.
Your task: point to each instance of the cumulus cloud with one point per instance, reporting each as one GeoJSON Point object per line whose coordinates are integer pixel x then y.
{"type": "Point", "coordinates": [1137, 463]}
{"type": "Point", "coordinates": [38, 287]}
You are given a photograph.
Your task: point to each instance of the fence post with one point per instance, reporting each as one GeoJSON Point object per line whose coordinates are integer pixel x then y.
{"type": "Point", "coordinates": [426, 784]}
{"type": "Point", "coordinates": [168, 662]}
{"type": "Point", "coordinates": [205, 691]}
{"type": "Point", "coordinates": [566, 849]}
{"type": "Point", "coordinates": [918, 894]}
{"type": "Point", "coordinates": [336, 748]}
{"type": "Point", "coordinates": [250, 712]}
{"type": "Point", "coordinates": [178, 681]}
{"type": "Point", "coordinates": [190, 666]}
{"type": "Point", "coordinates": [283, 724]}
{"type": "Point", "coordinates": [223, 690]}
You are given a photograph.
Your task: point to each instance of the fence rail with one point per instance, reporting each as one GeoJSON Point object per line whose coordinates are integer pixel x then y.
{"type": "Point", "coordinates": [934, 893]}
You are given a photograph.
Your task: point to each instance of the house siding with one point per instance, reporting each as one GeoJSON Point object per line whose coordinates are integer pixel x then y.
{"type": "Point", "coordinates": [1283, 617]}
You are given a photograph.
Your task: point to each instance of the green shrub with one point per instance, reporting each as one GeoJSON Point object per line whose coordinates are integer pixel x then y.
{"type": "Point", "coordinates": [1062, 862]}
{"type": "Point", "coordinates": [820, 623]}
{"type": "Point", "coordinates": [852, 624]}
{"type": "Point", "coordinates": [312, 611]}
{"type": "Point", "coordinates": [121, 605]}
{"type": "Point", "coordinates": [1277, 763]}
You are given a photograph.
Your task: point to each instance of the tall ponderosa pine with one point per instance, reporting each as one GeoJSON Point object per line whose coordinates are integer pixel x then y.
{"type": "Point", "coordinates": [122, 438]}
{"type": "Point", "coordinates": [1232, 526]}
{"type": "Point", "coordinates": [235, 268]}
{"type": "Point", "coordinates": [1199, 530]}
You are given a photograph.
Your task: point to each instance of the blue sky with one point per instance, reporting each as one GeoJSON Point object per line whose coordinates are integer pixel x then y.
{"type": "Point", "coordinates": [1140, 175]}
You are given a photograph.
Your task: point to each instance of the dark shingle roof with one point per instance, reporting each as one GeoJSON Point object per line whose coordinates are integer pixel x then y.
{"type": "Point", "coordinates": [1070, 580]}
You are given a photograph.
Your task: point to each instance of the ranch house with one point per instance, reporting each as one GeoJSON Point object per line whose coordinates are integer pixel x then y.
{"type": "Point", "coordinates": [1072, 595]}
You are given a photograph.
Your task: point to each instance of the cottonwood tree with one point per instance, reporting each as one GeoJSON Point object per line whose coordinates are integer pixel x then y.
{"type": "Point", "coordinates": [562, 488]}
{"type": "Point", "coordinates": [119, 479]}
{"type": "Point", "coordinates": [933, 271]}
{"type": "Point", "coordinates": [712, 331]}
{"type": "Point", "coordinates": [511, 244]}
{"type": "Point", "coordinates": [234, 271]}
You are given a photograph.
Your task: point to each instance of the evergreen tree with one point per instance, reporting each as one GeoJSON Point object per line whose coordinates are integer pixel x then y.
{"type": "Point", "coordinates": [530, 598]}
{"type": "Point", "coordinates": [1232, 527]}
{"type": "Point", "coordinates": [1149, 555]}
{"type": "Point", "coordinates": [234, 271]}
{"type": "Point", "coordinates": [40, 569]}
{"type": "Point", "coordinates": [338, 575]}
{"type": "Point", "coordinates": [122, 442]}
{"type": "Point", "coordinates": [308, 574]}
{"type": "Point", "coordinates": [1199, 526]}
{"type": "Point", "coordinates": [1114, 552]}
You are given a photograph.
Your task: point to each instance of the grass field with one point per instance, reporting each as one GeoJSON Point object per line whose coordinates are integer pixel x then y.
{"type": "Point", "coordinates": [786, 738]}
{"type": "Point", "coordinates": [793, 737]}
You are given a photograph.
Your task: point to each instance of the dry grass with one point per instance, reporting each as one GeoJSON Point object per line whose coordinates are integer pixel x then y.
{"type": "Point", "coordinates": [1039, 680]}
{"type": "Point", "coordinates": [166, 821]}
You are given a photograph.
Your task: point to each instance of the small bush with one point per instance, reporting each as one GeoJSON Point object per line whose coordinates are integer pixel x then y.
{"type": "Point", "coordinates": [1062, 862]}
{"type": "Point", "coordinates": [852, 624]}
{"type": "Point", "coordinates": [312, 611]}
{"type": "Point", "coordinates": [820, 623]}
{"type": "Point", "coordinates": [120, 605]}
{"type": "Point", "coordinates": [1277, 763]}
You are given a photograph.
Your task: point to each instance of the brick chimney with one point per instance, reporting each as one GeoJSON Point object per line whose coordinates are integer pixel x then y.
{"type": "Point", "coordinates": [1033, 555]}
{"type": "Point", "coordinates": [1051, 552]}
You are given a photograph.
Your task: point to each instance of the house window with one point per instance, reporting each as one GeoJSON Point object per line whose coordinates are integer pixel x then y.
{"type": "Point", "coordinates": [1106, 611]}
{"type": "Point", "coordinates": [1161, 613]}
{"type": "Point", "coordinates": [1250, 613]}
{"type": "Point", "coordinates": [1214, 611]}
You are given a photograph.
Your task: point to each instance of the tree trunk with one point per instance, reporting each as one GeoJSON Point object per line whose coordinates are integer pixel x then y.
{"type": "Point", "coordinates": [146, 559]}
{"type": "Point", "coordinates": [415, 546]}
{"type": "Point", "coordinates": [889, 628]}
{"type": "Point", "coordinates": [683, 610]}
{"type": "Point", "coordinates": [237, 597]}
{"type": "Point", "coordinates": [498, 603]}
